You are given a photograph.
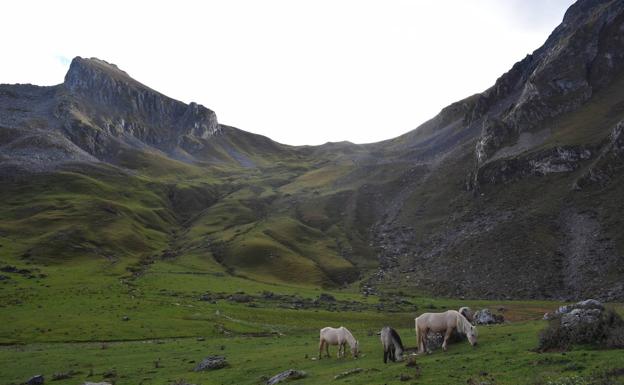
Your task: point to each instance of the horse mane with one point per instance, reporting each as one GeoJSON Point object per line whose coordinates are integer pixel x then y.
{"type": "Point", "coordinates": [350, 337]}
{"type": "Point", "coordinates": [397, 340]}
{"type": "Point", "coordinates": [463, 324]}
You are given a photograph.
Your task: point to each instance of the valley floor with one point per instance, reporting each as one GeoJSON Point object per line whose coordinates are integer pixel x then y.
{"type": "Point", "coordinates": [84, 320]}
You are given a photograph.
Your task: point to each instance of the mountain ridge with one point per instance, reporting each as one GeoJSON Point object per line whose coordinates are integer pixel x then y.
{"type": "Point", "coordinates": [482, 200]}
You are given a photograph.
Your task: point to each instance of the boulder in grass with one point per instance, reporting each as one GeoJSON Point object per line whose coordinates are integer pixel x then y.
{"type": "Point", "coordinates": [348, 373]}
{"type": "Point", "coordinates": [434, 340]}
{"type": "Point", "coordinates": [585, 322]}
{"type": "Point", "coordinates": [211, 363]}
{"type": "Point", "coordinates": [327, 297]}
{"type": "Point", "coordinates": [588, 304]}
{"type": "Point", "coordinates": [290, 374]}
{"type": "Point", "coordinates": [63, 375]}
{"type": "Point", "coordinates": [486, 317]}
{"type": "Point", "coordinates": [35, 380]}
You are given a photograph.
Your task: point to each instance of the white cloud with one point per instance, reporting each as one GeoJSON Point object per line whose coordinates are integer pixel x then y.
{"type": "Point", "coordinates": [300, 72]}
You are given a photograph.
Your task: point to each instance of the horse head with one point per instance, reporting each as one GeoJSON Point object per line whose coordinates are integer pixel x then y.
{"type": "Point", "coordinates": [472, 335]}
{"type": "Point", "coordinates": [398, 354]}
{"type": "Point", "coordinates": [355, 349]}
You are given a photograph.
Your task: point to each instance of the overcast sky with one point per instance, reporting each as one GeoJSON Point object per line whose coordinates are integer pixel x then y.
{"type": "Point", "coordinates": [300, 72]}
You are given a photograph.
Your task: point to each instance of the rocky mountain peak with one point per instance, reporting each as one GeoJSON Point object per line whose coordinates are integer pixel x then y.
{"type": "Point", "coordinates": [82, 73]}
{"type": "Point", "coordinates": [582, 55]}
{"type": "Point", "coordinates": [126, 109]}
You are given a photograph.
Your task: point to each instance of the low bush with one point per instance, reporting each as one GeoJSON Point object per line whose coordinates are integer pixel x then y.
{"type": "Point", "coordinates": [607, 332]}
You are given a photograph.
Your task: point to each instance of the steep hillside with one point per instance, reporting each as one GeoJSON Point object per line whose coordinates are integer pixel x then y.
{"type": "Point", "coordinates": [512, 192]}
{"type": "Point", "coordinates": [104, 167]}
{"type": "Point", "coordinates": [520, 200]}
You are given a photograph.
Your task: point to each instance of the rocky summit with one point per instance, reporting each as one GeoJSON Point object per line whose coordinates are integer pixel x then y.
{"type": "Point", "coordinates": [514, 192]}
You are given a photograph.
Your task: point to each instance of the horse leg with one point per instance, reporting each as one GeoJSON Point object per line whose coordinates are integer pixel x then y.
{"type": "Point", "coordinates": [385, 356]}
{"type": "Point", "coordinates": [326, 349]}
{"type": "Point", "coordinates": [321, 348]}
{"type": "Point", "coordinates": [418, 344]}
{"type": "Point", "coordinates": [447, 335]}
{"type": "Point", "coordinates": [424, 333]}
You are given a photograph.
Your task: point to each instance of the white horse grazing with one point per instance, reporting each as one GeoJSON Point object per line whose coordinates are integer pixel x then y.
{"type": "Point", "coordinates": [443, 322]}
{"type": "Point", "coordinates": [340, 337]}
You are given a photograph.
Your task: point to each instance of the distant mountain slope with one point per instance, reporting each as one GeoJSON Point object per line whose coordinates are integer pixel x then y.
{"type": "Point", "coordinates": [116, 170]}
{"type": "Point", "coordinates": [518, 176]}
{"type": "Point", "coordinates": [512, 192]}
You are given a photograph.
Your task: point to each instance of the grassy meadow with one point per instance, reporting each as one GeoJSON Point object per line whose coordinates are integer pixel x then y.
{"type": "Point", "coordinates": [83, 319]}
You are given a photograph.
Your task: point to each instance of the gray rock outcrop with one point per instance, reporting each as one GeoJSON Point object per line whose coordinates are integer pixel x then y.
{"type": "Point", "coordinates": [585, 322]}
{"type": "Point", "coordinates": [211, 363]}
{"type": "Point", "coordinates": [36, 380]}
{"type": "Point", "coordinates": [434, 340]}
{"type": "Point", "coordinates": [575, 62]}
{"type": "Point", "coordinates": [290, 374]}
{"type": "Point", "coordinates": [589, 308]}
{"type": "Point", "coordinates": [486, 317]}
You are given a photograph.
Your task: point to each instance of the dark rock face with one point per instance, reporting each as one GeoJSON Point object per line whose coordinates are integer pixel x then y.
{"type": "Point", "coordinates": [211, 363]}
{"type": "Point", "coordinates": [580, 57]}
{"type": "Point", "coordinates": [609, 163]}
{"type": "Point", "coordinates": [124, 108]}
{"type": "Point", "coordinates": [538, 137]}
{"type": "Point", "coordinates": [97, 111]}
{"type": "Point", "coordinates": [550, 161]}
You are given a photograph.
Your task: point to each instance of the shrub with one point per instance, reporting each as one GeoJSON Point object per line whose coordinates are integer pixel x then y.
{"type": "Point", "coordinates": [607, 332]}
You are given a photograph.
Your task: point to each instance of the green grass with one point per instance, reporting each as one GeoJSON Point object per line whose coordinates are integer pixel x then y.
{"type": "Point", "coordinates": [72, 320]}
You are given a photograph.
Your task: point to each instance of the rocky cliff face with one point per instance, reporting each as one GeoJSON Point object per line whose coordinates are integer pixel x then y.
{"type": "Point", "coordinates": [582, 56]}
{"type": "Point", "coordinates": [537, 148]}
{"type": "Point", "coordinates": [119, 106]}
{"type": "Point", "coordinates": [100, 110]}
